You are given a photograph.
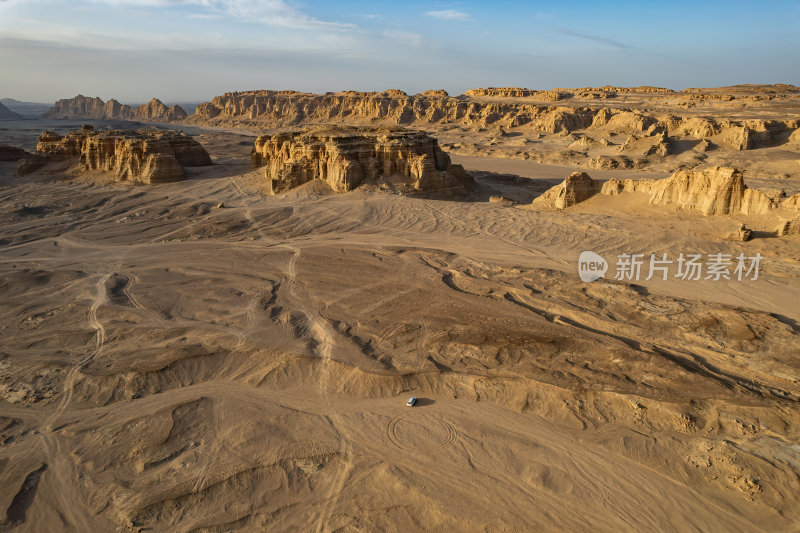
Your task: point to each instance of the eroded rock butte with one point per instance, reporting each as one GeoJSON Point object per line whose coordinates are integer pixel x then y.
{"type": "Point", "coordinates": [345, 158]}
{"type": "Point", "coordinates": [136, 156]}
{"type": "Point", "coordinates": [711, 191]}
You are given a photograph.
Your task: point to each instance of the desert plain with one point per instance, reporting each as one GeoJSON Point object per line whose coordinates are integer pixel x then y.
{"type": "Point", "coordinates": [228, 345]}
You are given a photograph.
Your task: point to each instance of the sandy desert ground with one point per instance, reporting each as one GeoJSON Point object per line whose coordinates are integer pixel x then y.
{"type": "Point", "coordinates": [201, 356]}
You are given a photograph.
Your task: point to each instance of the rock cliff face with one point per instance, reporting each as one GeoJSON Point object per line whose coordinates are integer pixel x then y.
{"type": "Point", "coordinates": [712, 191]}
{"type": "Point", "coordinates": [732, 134]}
{"type": "Point", "coordinates": [146, 157]}
{"type": "Point", "coordinates": [83, 107]}
{"type": "Point", "coordinates": [290, 108]}
{"type": "Point", "coordinates": [345, 158]}
{"type": "Point", "coordinates": [643, 89]}
{"type": "Point", "coordinates": [156, 111]}
{"type": "Point", "coordinates": [515, 92]}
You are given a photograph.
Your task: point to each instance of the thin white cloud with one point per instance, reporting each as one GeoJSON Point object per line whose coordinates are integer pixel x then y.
{"type": "Point", "coordinates": [405, 37]}
{"type": "Point", "coordinates": [270, 12]}
{"type": "Point", "coordinates": [448, 14]}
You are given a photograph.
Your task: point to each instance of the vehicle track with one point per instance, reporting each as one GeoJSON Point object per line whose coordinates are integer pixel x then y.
{"type": "Point", "coordinates": [395, 433]}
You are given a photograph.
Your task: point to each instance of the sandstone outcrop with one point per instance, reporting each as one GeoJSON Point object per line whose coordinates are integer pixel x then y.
{"type": "Point", "coordinates": [789, 227]}
{"type": "Point", "coordinates": [345, 158]}
{"type": "Point", "coordinates": [732, 134]}
{"type": "Point", "coordinates": [434, 93]}
{"type": "Point", "coordinates": [657, 144]}
{"type": "Point", "coordinates": [747, 89]}
{"type": "Point", "coordinates": [84, 107]}
{"type": "Point", "coordinates": [741, 234]}
{"type": "Point", "coordinates": [792, 202]}
{"type": "Point", "coordinates": [156, 111]}
{"type": "Point", "coordinates": [712, 191]}
{"type": "Point", "coordinates": [605, 162]}
{"type": "Point", "coordinates": [614, 186]}
{"type": "Point", "coordinates": [576, 188]}
{"type": "Point", "coordinates": [135, 156]}
{"type": "Point", "coordinates": [291, 108]}
{"type": "Point", "coordinates": [503, 92]}
{"type": "Point", "coordinates": [585, 142]}
{"type": "Point", "coordinates": [502, 200]}
{"type": "Point", "coordinates": [514, 92]}
{"type": "Point", "coordinates": [644, 89]}
{"type": "Point", "coordinates": [702, 147]}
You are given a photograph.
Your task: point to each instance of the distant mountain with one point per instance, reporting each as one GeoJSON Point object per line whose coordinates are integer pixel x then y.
{"type": "Point", "coordinates": [26, 109]}
{"type": "Point", "coordinates": [6, 113]}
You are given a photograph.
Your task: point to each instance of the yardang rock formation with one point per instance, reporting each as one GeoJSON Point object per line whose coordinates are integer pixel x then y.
{"type": "Point", "coordinates": [712, 191]}
{"type": "Point", "coordinates": [346, 158]}
{"type": "Point", "coordinates": [136, 156]}
{"type": "Point", "coordinates": [576, 188]}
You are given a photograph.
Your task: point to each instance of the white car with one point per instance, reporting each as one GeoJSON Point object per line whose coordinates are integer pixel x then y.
{"type": "Point", "coordinates": [411, 401]}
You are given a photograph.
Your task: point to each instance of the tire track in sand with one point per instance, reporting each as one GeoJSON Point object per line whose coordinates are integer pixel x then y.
{"type": "Point", "coordinates": [61, 467]}
{"type": "Point", "coordinates": [395, 434]}
{"type": "Point", "coordinates": [100, 337]}
{"type": "Point", "coordinates": [322, 332]}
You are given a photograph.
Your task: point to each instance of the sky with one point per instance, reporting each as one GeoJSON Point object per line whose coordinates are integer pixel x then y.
{"type": "Point", "coordinates": [192, 50]}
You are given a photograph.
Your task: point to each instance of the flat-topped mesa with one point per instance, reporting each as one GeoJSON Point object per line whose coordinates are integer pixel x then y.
{"type": "Point", "coordinates": [644, 89]}
{"type": "Point", "coordinates": [747, 89]}
{"type": "Point", "coordinates": [434, 93]}
{"type": "Point", "coordinates": [84, 107]}
{"type": "Point", "coordinates": [712, 191]}
{"type": "Point", "coordinates": [346, 158]}
{"type": "Point", "coordinates": [136, 156]}
{"type": "Point", "coordinates": [504, 92]}
{"type": "Point", "coordinates": [275, 109]}
{"type": "Point", "coordinates": [279, 109]}
{"type": "Point", "coordinates": [514, 92]}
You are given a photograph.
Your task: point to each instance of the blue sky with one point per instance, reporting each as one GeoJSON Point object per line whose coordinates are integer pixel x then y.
{"type": "Point", "coordinates": [192, 50]}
